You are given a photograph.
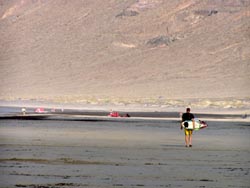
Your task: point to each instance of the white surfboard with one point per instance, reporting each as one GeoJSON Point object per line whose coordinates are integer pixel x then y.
{"type": "Point", "coordinates": [198, 124]}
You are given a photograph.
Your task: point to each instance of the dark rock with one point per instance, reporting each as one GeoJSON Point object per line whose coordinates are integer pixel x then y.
{"type": "Point", "coordinates": [206, 12]}
{"type": "Point", "coordinates": [127, 13]}
{"type": "Point", "coordinates": [160, 40]}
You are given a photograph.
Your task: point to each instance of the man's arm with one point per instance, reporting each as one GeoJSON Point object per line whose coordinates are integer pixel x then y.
{"type": "Point", "coordinates": [181, 117]}
{"type": "Point", "coordinates": [193, 123]}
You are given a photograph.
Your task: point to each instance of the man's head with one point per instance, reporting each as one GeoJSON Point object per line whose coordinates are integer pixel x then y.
{"type": "Point", "coordinates": [188, 110]}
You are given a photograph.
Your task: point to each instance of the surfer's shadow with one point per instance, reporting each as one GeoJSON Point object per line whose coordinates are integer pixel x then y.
{"type": "Point", "coordinates": [172, 145]}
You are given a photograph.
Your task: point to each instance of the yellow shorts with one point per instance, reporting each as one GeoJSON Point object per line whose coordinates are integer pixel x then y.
{"type": "Point", "coordinates": [188, 131]}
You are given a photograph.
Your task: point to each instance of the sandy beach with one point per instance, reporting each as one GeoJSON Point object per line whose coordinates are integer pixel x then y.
{"type": "Point", "coordinates": [66, 65]}
{"type": "Point", "coordinates": [53, 153]}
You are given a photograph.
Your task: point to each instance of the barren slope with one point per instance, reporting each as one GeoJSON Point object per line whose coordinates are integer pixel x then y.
{"type": "Point", "coordinates": [125, 49]}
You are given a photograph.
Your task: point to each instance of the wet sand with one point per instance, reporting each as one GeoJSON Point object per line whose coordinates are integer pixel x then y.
{"type": "Point", "coordinates": [54, 153]}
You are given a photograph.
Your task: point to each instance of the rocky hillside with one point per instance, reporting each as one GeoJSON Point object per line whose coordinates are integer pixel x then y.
{"type": "Point", "coordinates": [133, 49]}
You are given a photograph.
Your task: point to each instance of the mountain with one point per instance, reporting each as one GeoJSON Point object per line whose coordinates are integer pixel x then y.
{"type": "Point", "coordinates": [124, 50]}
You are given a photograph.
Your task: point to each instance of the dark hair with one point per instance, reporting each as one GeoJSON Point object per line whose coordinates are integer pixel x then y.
{"type": "Point", "coordinates": [188, 109]}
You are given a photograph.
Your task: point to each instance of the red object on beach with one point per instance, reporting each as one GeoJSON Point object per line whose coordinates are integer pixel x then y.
{"type": "Point", "coordinates": [114, 114]}
{"type": "Point", "coordinates": [39, 110]}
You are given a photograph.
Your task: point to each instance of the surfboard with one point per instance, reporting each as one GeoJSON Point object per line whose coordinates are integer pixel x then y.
{"type": "Point", "coordinates": [198, 124]}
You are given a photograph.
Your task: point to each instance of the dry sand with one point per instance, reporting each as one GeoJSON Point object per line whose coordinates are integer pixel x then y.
{"type": "Point", "coordinates": [122, 154]}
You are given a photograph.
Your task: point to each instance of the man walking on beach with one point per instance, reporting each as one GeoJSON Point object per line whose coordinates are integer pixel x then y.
{"type": "Point", "coordinates": [188, 132]}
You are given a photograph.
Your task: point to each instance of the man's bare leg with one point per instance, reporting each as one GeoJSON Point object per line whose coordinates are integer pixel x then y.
{"type": "Point", "coordinates": [186, 140]}
{"type": "Point", "coordinates": [190, 140]}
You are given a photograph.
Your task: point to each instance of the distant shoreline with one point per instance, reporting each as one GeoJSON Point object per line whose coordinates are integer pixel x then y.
{"type": "Point", "coordinates": [99, 112]}
{"type": "Point", "coordinates": [102, 115]}
{"type": "Point", "coordinates": [218, 106]}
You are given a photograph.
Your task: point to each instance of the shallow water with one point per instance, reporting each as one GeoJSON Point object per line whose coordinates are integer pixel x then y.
{"type": "Point", "coordinates": [122, 154]}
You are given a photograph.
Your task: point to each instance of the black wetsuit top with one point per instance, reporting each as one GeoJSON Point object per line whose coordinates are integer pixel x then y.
{"type": "Point", "coordinates": [187, 116]}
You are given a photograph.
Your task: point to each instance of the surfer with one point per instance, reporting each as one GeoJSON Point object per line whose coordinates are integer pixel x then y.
{"type": "Point", "coordinates": [188, 132]}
